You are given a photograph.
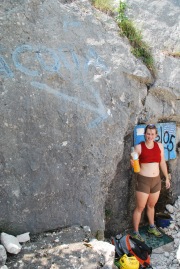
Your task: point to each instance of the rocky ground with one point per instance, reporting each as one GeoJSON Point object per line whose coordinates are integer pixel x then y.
{"type": "Point", "coordinates": [73, 248]}
{"type": "Point", "coordinates": [168, 256]}
{"type": "Point", "coordinates": [67, 248]}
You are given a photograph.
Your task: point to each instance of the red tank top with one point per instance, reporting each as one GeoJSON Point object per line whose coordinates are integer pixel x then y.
{"type": "Point", "coordinates": [150, 155]}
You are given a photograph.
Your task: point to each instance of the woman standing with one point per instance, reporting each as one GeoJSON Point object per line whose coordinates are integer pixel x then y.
{"type": "Point", "coordinates": [148, 186]}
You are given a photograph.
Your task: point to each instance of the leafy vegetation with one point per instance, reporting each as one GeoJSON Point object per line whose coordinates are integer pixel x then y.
{"type": "Point", "coordinates": [108, 213]}
{"type": "Point", "coordinates": [139, 48]}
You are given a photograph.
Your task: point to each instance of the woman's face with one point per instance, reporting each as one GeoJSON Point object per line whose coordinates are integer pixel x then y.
{"type": "Point", "coordinates": [150, 135]}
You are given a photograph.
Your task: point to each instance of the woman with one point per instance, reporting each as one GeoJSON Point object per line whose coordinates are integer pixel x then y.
{"type": "Point", "coordinates": [148, 186]}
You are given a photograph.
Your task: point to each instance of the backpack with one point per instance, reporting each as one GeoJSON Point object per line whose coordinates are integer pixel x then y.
{"type": "Point", "coordinates": [132, 246]}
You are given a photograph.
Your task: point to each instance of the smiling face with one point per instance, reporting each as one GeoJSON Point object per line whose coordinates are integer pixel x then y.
{"type": "Point", "coordinates": [150, 135]}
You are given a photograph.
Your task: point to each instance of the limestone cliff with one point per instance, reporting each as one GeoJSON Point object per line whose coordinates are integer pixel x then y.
{"type": "Point", "coordinates": [71, 93]}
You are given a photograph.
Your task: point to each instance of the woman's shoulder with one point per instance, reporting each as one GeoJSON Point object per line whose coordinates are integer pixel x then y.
{"type": "Point", "coordinates": [141, 144]}
{"type": "Point", "coordinates": [159, 144]}
{"type": "Point", "coordinates": [138, 146]}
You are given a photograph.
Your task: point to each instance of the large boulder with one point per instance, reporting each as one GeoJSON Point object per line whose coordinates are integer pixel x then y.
{"type": "Point", "coordinates": [71, 92]}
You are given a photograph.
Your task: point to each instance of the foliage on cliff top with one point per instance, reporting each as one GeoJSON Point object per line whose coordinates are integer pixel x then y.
{"type": "Point", "coordinates": [139, 48]}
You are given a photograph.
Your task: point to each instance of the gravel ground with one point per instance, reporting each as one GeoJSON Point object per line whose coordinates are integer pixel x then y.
{"type": "Point", "coordinates": [66, 248]}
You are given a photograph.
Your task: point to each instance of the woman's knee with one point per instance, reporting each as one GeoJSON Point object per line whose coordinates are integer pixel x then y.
{"type": "Point", "coordinates": [139, 209]}
{"type": "Point", "coordinates": [151, 205]}
{"type": "Point", "coordinates": [152, 200]}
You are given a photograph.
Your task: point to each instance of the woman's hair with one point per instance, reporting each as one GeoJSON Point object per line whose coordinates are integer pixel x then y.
{"type": "Point", "coordinates": [150, 126]}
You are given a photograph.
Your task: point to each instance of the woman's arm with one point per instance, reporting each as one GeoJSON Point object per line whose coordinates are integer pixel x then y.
{"type": "Point", "coordinates": [137, 149]}
{"type": "Point", "coordinates": [163, 166]}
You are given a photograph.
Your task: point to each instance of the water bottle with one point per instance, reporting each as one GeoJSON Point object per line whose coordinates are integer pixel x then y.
{"type": "Point", "coordinates": [136, 165]}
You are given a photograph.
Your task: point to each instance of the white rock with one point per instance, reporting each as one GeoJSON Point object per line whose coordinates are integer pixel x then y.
{"type": "Point", "coordinates": [176, 205]}
{"type": "Point", "coordinates": [3, 255]}
{"type": "Point", "coordinates": [168, 263]}
{"type": "Point", "coordinates": [10, 243]}
{"type": "Point", "coordinates": [171, 257]}
{"type": "Point", "coordinates": [178, 253]}
{"type": "Point", "coordinates": [166, 254]}
{"type": "Point", "coordinates": [106, 249]}
{"type": "Point", "coordinates": [22, 238]}
{"type": "Point", "coordinates": [87, 229]}
{"type": "Point", "coordinates": [176, 242]}
{"type": "Point", "coordinates": [173, 216]}
{"type": "Point", "coordinates": [4, 267]}
{"type": "Point", "coordinates": [175, 261]}
{"type": "Point", "coordinates": [172, 226]}
{"type": "Point", "coordinates": [178, 235]}
{"type": "Point", "coordinates": [170, 208]}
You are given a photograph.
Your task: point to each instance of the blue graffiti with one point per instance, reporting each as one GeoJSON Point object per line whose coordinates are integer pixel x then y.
{"type": "Point", "coordinates": [30, 60]}
{"type": "Point", "coordinates": [62, 51]}
{"type": "Point", "coordinates": [100, 109]}
{"type": "Point", "coordinates": [16, 59]}
{"type": "Point", "coordinates": [39, 52]}
{"type": "Point", "coordinates": [48, 52]}
{"type": "Point", "coordinates": [93, 59]}
{"type": "Point", "coordinates": [4, 68]}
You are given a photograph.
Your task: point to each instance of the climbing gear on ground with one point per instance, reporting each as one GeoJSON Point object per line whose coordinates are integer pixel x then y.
{"type": "Point", "coordinates": [138, 236]}
{"type": "Point", "coordinates": [154, 230]}
{"type": "Point", "coordinates": [126, 262]}
{"type": "Point", "coordinates": [132, 247]}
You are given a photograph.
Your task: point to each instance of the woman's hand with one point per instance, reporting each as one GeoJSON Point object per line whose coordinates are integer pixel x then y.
{"type": "Point", "coordinates": [132, 162]}
{"type": "Point", "coordinates": [168, 184]}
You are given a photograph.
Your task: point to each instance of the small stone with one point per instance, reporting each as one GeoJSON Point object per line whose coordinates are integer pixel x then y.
{"type": "Point", "coordinates": [166, 254]}
{"type": "Point", "coordinates": [170, 208]}
{"type": "Point", "coordinates": [22, 238]}
{"type": "Point", "coordinates": [87, 229]}
{"type": "Point", "coordinates": [10, 243]}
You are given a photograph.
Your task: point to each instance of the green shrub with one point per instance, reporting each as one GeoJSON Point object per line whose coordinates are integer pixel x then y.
{"type": "Point", "coordinates": [121, 12]}
{"type": "Point", "coordinates": [139, 48]}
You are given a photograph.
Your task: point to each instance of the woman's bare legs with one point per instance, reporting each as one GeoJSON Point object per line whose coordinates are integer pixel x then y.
{"type": "Point", "coordinates": [151, 202]}
{"type": "Point", "coordinates": [141, 200]}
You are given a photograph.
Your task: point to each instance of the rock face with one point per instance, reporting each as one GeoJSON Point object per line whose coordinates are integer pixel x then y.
{"type": "Point", "coordinates": [71, 93]}
{"type": "Point", "coordinates": [160, 30]}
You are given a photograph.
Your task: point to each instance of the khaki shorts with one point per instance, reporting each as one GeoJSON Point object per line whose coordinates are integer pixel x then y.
{"type": "Point", "coordinates": [148, 184]}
